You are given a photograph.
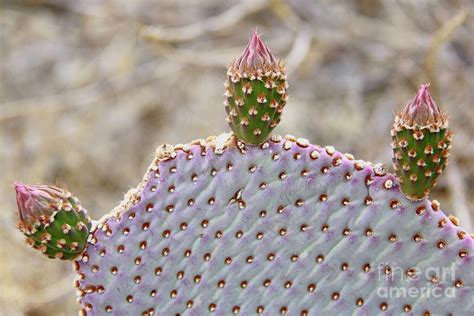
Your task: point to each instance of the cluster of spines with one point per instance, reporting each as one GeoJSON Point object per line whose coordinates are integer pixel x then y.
{"type": "Point", "coordinates": [421, 142]}
{"type": "Point", "coordinates": [256, 93]}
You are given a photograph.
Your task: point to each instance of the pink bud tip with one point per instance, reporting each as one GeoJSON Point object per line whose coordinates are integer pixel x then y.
{"type": "Point", "coordinates": [37, 203]}
{"type": "Point", "coordinates": [255, 54]}
{"type": "Point", "coordinates": [423, 110]}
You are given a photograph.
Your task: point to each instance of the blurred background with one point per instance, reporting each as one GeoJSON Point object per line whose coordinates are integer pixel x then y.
{"type": "Point", "coordinates": [89, 88]}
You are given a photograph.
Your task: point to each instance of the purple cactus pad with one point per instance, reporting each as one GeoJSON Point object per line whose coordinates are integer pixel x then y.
{"type": "Point", "coordinates": [219, 227]}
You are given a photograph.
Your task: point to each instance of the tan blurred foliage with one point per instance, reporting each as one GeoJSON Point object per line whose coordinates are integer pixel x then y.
{"type": "Point", "coordinates": [87, 93]}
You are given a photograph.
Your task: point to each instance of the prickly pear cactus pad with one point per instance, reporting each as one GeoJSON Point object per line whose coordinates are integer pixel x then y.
{"type": "Point", "coordinates": [286, 227]}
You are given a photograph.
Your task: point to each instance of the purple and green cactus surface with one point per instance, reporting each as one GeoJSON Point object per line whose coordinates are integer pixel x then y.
{"type": "Point", "coordinates": [53, 220]}
{"type": "Point", "coordinates": [421, 142]}
{"type": "Point", "coordinates": [247, 223]}
{"type": "Point", "coordinates": [256, 92]}
{"type": "Point", "coordinates": [281, 228]}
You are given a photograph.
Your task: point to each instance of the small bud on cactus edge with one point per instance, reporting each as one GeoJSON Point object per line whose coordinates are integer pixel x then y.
{"type": "Point", "coordinates": [255, 92]}
{"type": "Point", "coordinates": [52, 220]}
{"type": "Point", "coordinates": [421, 142]}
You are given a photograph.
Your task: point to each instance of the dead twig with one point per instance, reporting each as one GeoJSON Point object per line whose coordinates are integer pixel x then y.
{"type": "Point", "coordinates": [286, 13]}
{"type": "Point", "coordinates": [457, 191]}
{"type": "Point", "coordinates": [224, 20]}
{"type": "Point", "coordinates": [83, 96]}
{"type": "Point", "coordinates": [215, 58]}
{"type": "Point", "coordinates": [52, 293]}
{"type": "Point", "coordinates": [299, 50]}
{"type": "Point", "coordinates": [440, 37]}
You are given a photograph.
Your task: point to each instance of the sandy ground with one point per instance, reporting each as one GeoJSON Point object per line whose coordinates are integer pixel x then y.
{"type": "Point", "coordinates": [88, 90]}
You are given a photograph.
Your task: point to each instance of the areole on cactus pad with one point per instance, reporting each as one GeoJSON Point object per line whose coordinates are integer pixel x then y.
{"type": "Point", "coordinates": [247, 223]}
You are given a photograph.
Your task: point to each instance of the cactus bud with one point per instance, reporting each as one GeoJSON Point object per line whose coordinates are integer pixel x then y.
{"type": "Point", "coordinates": [52, 220]}
{"type": "Point", "coordinates": [421, 142]}
{"type": "Point", "coordinates": [255, 92]}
